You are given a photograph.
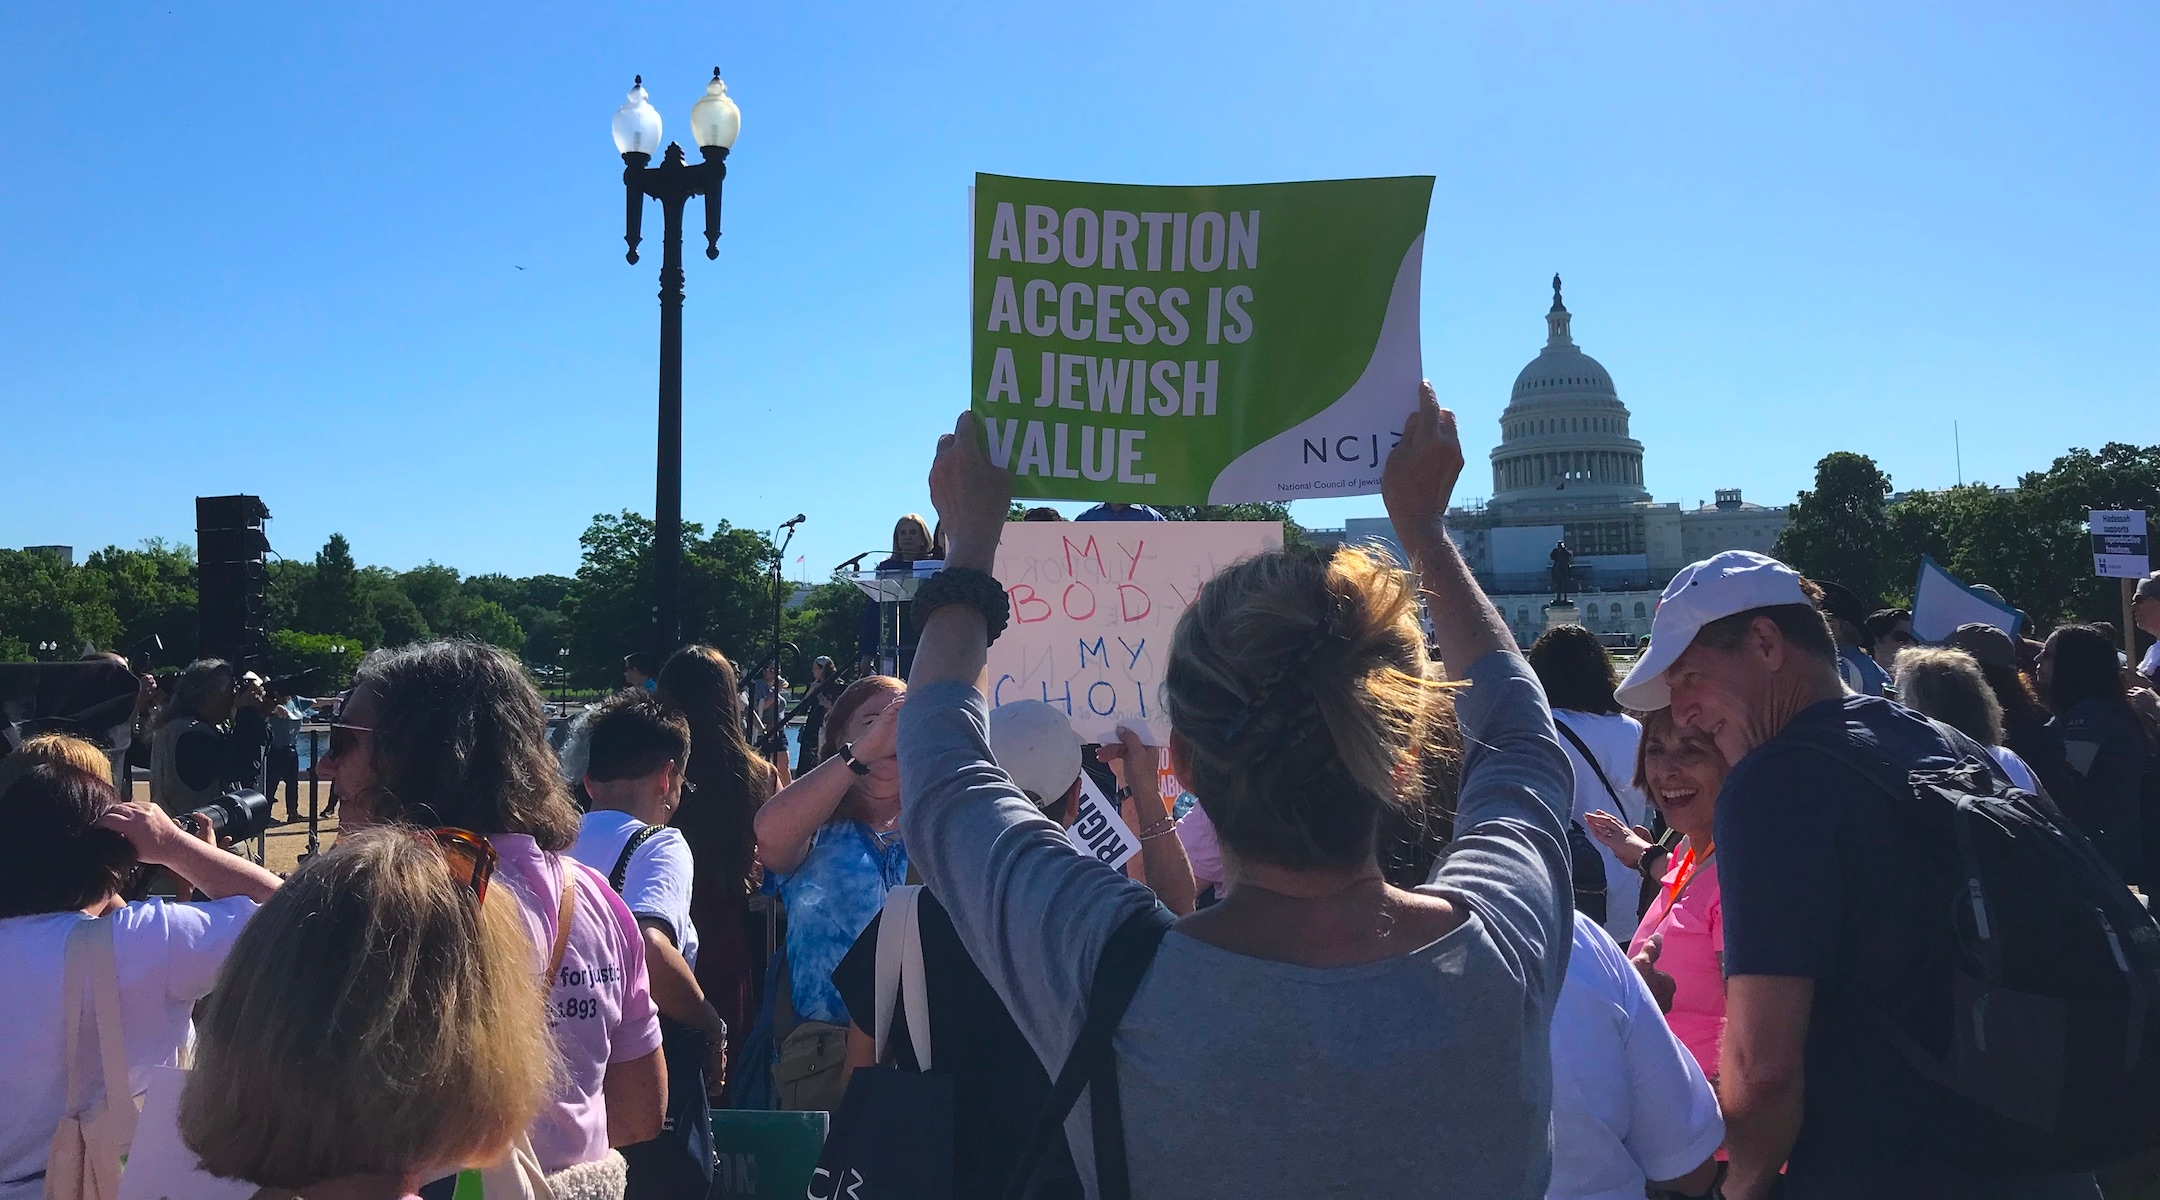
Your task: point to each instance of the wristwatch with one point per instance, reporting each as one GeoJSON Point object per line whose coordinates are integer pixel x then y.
{"type": "Point", "coordinates": [847, 755]}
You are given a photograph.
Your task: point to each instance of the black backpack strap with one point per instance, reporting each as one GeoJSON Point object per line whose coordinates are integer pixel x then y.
{"type": "Point", "coordinates": [1093, 1061]}
{"type": "Point", "coordinates": [621, 874]}
{"type": "Point", "coordinates": [1583, 749]}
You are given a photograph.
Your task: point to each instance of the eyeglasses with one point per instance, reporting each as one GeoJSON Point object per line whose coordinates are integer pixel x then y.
{"type": "Point", "coordinates": [341, 739]}
{"type": "Point", "coordinates": [468, 856]}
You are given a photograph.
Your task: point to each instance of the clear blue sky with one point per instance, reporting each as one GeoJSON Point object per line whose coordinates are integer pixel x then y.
{"type": "Point", "coordinates": [276, 248]}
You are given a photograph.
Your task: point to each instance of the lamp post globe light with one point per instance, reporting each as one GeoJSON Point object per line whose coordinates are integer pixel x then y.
{"type": "Point", "coordinates": [714, 124]}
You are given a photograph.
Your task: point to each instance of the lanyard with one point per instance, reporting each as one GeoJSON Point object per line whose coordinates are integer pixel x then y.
{"type": "Point", "coordinates": [1685, 875]}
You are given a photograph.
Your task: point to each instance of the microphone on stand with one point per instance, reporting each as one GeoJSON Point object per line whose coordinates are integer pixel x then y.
{"type": "Point", "coordinates": [855, 563]}
{"type": "Point", "coordinates": [799, 519]}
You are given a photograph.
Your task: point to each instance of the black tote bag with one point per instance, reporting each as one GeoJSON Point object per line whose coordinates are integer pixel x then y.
{"type": "Point", "coordinates": [892, 1138]}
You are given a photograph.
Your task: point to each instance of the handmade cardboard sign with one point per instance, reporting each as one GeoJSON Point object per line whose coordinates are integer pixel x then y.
{"type": "Point", "coordinates": [1094, 605]}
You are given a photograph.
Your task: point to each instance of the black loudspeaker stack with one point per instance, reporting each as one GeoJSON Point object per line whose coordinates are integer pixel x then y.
{"type": "Point", "coordinates": [233, 589]}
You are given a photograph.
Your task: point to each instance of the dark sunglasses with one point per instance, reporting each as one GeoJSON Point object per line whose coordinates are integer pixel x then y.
{"type": "Point", "coordinates": [342, 741]}
{"type": "Point", "coordinates": [468, 856]}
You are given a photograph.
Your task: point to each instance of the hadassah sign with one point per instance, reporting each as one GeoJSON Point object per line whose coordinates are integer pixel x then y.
{"type": "Point", "coordinates": [1195, 345]}
{"type": "Point", "coordinates": [1093, 606]}
{"type": "Point", "coordinates": [2119, 546]}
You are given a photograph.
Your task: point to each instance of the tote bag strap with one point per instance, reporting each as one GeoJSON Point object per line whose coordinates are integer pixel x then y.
{"type": "Point", "coordinates": [566, 909]}
{"type": "Point", "coordinates": [900, 973]}
{"type": "Point", "coordinates": [111, 1035]}
{"type": "Point", "coordinates": [90, 964]}
{"type": "Point", "coordinates": [73, 966]}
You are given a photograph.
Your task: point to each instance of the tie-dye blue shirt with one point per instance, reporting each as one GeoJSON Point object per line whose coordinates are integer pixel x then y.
{"type": "Point", "coordinates": [830, 899]}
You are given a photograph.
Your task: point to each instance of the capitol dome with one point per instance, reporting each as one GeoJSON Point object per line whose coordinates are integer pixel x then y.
{"type": "Point", "coordinates": [1564, 435]}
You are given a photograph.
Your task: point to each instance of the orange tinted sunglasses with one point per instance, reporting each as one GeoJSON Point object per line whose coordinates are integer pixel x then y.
{"type": "Point", "coordinates": [468, 856]}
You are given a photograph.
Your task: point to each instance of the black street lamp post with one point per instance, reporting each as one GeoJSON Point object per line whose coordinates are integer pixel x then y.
{"type": "Point", "coordinates": [714, 123]}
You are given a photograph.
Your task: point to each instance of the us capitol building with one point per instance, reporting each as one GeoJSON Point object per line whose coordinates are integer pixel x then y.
{"type": "Point", "coordinates": [1566, 469]}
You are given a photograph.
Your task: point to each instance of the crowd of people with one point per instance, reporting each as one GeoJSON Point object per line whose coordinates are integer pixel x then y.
{"type": "Point", "coordinates": [1441, 918]}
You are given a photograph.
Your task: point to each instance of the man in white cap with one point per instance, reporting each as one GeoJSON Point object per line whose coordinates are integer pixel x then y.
{"type": "Point", "coordinates": [1036, 744]}
{"type": "Point", "coordinates": [1819, 903]}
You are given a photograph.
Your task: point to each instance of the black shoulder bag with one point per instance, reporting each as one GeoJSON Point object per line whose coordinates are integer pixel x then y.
{"type": "Point", "coordinates": [1575, 740]}
{"type": "Point", "coordinates": [680, 1161]}
{"type": "Point", "coordinates": [1588, 864]}
{"type": "Point", "coordinates": [1093, 1062]}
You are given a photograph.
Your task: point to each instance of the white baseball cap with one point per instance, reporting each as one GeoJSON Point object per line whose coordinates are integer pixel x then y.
{"type": "Point", "coordinates": [1719, 586]}
{"type": "Point", "coordinates": [1037, 746]}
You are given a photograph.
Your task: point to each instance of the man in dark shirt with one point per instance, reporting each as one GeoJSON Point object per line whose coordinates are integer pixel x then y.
{"type": "Point", "coordinates": [1818, 904]}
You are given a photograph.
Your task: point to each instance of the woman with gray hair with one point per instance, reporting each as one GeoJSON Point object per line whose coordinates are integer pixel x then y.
{"type": "Point", "coordinates": [1947, 685]}
{"type": "Point", "coordinates": [453, 734]}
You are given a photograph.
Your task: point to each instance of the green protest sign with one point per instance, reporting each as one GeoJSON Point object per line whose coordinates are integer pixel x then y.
{"type": "Point", "coordinates": [1195, 345]}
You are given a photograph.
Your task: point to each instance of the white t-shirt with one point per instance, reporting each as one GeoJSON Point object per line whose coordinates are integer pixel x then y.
{"type": "Point", "coordinates": [2149, 666]}
{"type": "Point", "coordinates": [1629, 1103]}
{"type": "Point", "coordinates": [1613, 740]}
{"type": "Point", "coordinates": [2014, 767]}
{"type": "Point", "coordinates": [657, 883]}
{"type": "Point", "coordinates": [167, 957]}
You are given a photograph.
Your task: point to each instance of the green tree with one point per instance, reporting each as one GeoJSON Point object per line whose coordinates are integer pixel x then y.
{"type": "Point", "coordinates": [331, 601]}
{"type": "Point", "coordinates": [1840, 531]}
{"type": "Point", "coordinates": [152, 589]}
{"type": "Point", "coordinates": [726, 601]}
{"type": "Point", "coordinates": [290, 582]}
{"type": "Point", "coordinates": [44, 599]}
{"type": "Point", "coordinates": [2119, 476]}
{"type": "Point", "coordinates": [2029, 542]}
{"type": "Point", "coordinates": [547, 631]}
{"type": "Point", "coordinates": [1995, 536]}
{"type": "Point", "coordinates": [388, 617]}
{"type": "Point", "coordinates": [335, 655]}
{"type": "Point", "coordinates": [829, 623]}
{"type": "Point", "coordinates": [484, 621]}
{"type": "Point", "coordinates": [728, 592]}
{"type": "Point", "coordinates": [610, 602]}
{"type": "Point", "coordinates": [1266, 510]}
{"type": "Point", "coordinates": [434, 591]}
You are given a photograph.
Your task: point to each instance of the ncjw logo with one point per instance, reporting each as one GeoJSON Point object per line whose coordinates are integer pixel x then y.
{"type": "Point", "coordinates": [1356, 449]}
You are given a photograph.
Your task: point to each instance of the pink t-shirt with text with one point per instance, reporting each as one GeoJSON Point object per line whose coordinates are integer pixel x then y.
{"type": "Point", "coordinates": [1694, 932]}
{"type": "Point", "coordinates": [600, 1005]}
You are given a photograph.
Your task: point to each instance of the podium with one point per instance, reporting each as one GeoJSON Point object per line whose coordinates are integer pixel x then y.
{"type": "Point", "coordinates": [892, 590]}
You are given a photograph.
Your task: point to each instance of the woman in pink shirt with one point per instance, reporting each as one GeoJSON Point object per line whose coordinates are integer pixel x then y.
{"type": "Point", "coordinates": [1682, 936]}
{"type": "Point", "coordinates": [453, 734]}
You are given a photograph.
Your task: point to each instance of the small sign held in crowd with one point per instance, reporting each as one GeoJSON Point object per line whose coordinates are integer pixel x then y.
{"type": "Point", "coordinates": [1942, 602]}
{"type": "Point", "coordinates": [1094, 605]}
{"type": "Point", "coordinates": [2119, 546]}
{"type": "Point", "coordinates": [1098, 831]}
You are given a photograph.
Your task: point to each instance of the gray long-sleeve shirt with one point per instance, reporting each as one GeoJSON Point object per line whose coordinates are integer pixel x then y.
{"type": "Point", "coordinates": [1428, 1074]}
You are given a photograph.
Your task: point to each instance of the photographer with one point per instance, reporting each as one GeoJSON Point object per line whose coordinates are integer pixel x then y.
{"type": "Point", "coordinates": [194, 755]}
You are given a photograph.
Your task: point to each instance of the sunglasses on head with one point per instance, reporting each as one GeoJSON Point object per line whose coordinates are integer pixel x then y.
{"type": "Point", "coordinates": [468, 856]}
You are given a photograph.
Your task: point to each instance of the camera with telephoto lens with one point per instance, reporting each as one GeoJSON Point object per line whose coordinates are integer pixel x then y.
{"type": "Point", "coordinates": [236, 816]}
